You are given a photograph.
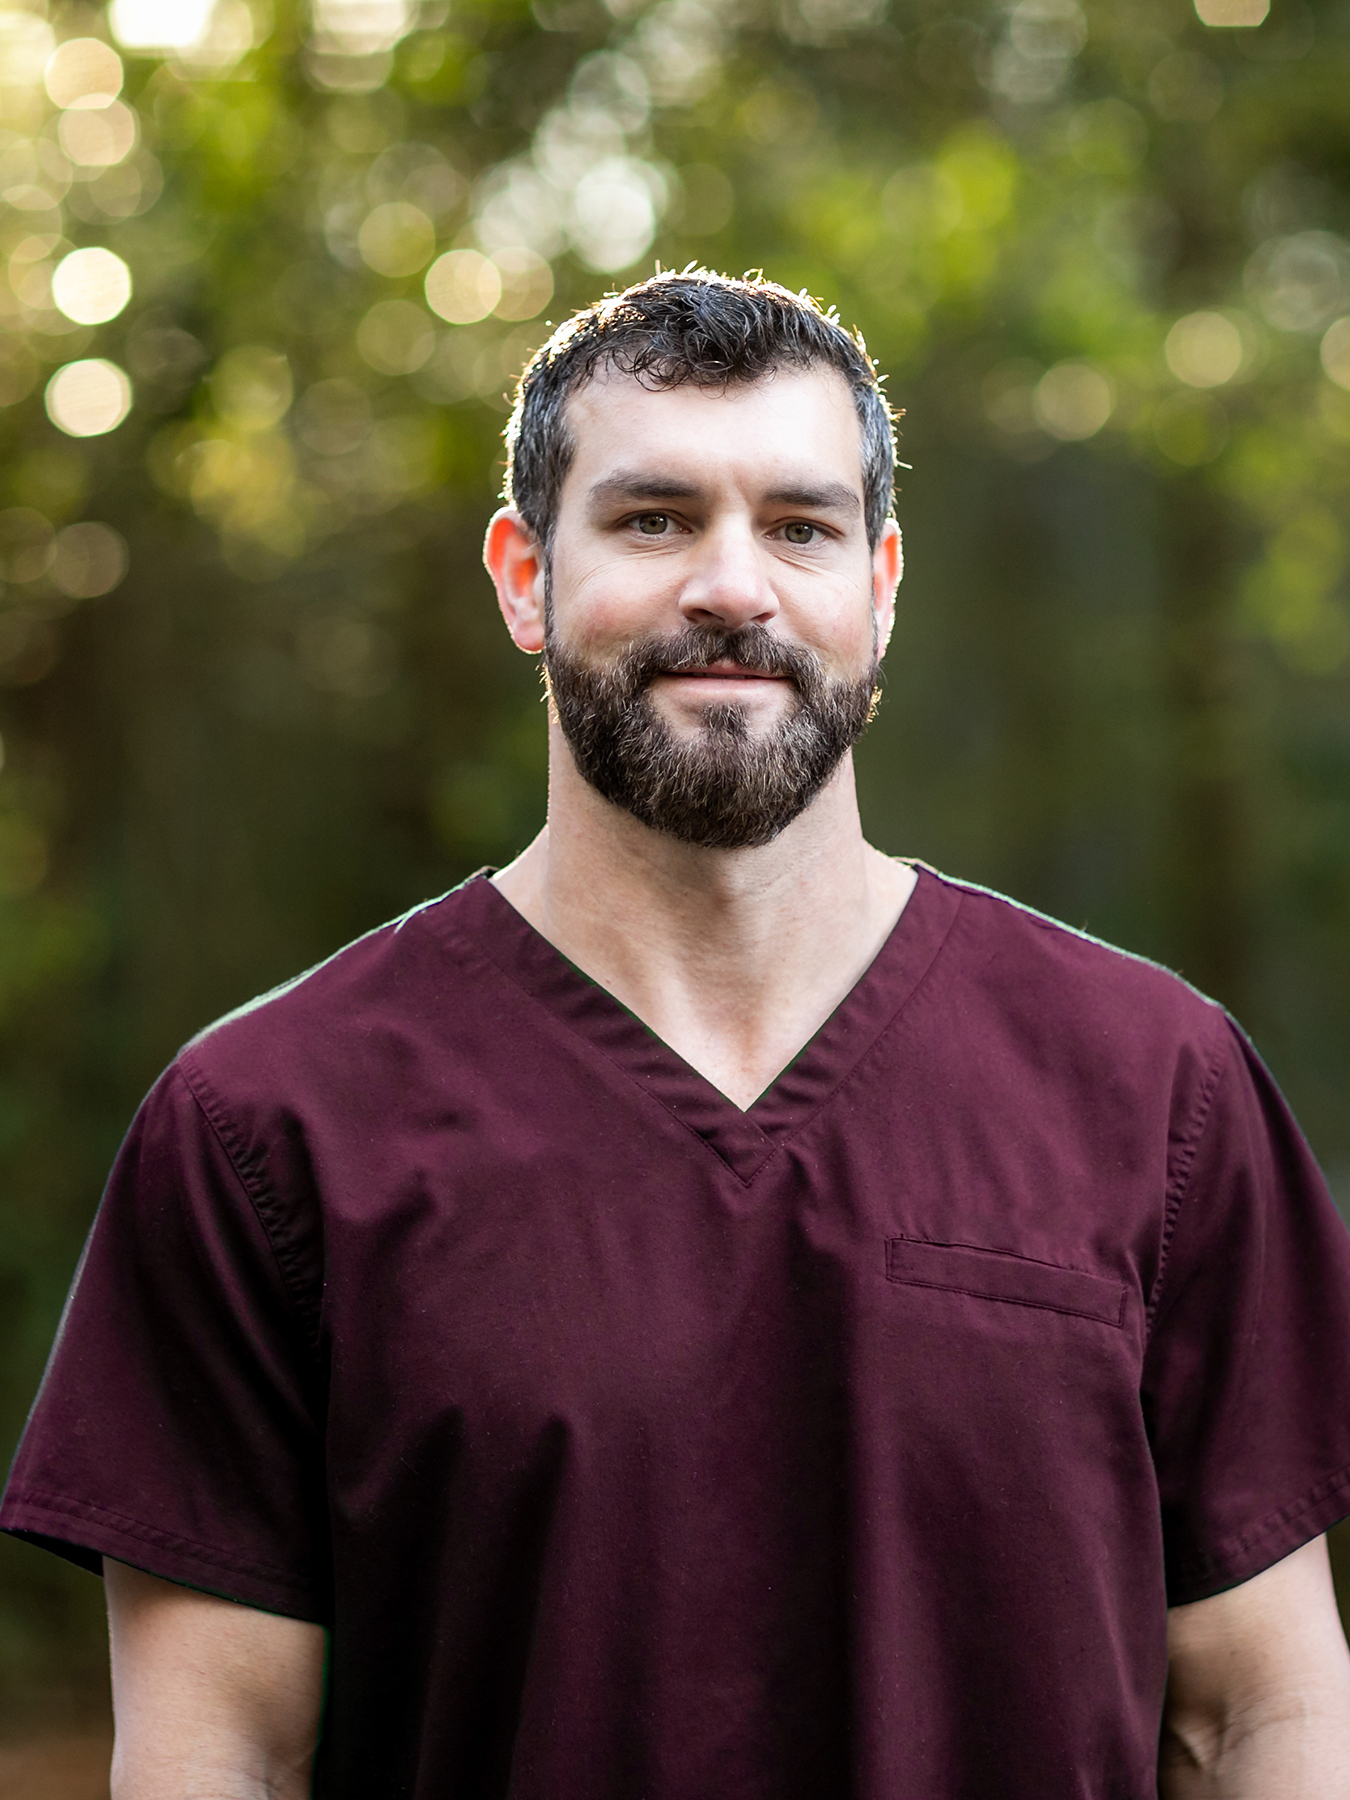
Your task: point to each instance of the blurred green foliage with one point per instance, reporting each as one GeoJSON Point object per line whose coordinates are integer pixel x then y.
{"type": "Point", "coordinates": [254, 695]}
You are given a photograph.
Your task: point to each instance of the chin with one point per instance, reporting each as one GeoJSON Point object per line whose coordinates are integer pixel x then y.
{"type": "Point", "coordinates": [744, 718]}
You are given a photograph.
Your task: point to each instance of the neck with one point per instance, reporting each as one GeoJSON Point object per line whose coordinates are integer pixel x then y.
{"type": "Point", "coordinates": [733, 957]}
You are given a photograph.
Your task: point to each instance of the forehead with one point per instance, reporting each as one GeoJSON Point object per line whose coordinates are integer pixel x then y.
{"type": "Point", "coordinates": [790, 422]}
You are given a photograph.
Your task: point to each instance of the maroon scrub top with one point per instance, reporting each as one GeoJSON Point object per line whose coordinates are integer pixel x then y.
{"type": "Point", "coordinates": [633, 1447]}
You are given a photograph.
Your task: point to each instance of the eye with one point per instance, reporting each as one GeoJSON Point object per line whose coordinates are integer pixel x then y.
{"type": "Point", "coordinates": [652, 524]}
{"type": "Point", "coordinates": [800, 533]}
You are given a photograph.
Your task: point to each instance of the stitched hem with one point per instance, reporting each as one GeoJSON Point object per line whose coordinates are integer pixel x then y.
{"type": "Point", "coordinates": [1241, 1555]}
{"type": "Point", "coordinates": [776, 1143]}
{"type": "Point", "coordinates": [258, 1191]}
{"type": "Point", "coordinates": [485, 960]}
{"type": "Point", "coordinates": [1179, 1180]}
{"type": "Point", "coordinates": [84, 1532]}
{"type": "Point", "coordinates": [1051, 1306]}
{"type": "Point", "coordinates": [905, 1010]}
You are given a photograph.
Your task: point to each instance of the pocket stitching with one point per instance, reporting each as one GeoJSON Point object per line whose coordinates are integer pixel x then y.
{"type": "Point", "coordinates": [902, 1237]}
{"type": "Point", "coordinates": [954, 1287]}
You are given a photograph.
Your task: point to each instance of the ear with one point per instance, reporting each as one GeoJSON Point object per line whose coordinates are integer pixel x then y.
{"type": "Point", "coordinates": [515, 560]}
{"type": "Point", "coordinates": [888, 566]}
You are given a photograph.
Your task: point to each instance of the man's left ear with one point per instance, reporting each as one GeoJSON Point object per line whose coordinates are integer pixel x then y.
{"type": "Point", "coordinates": [888, 566]}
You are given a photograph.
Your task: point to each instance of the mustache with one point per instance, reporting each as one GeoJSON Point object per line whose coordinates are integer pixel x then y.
{"type": "Point", "coordinates": [696, 647]}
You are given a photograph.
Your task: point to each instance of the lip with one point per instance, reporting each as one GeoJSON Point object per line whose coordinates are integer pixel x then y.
{"type": "Point", "coordinates": [723, 672]}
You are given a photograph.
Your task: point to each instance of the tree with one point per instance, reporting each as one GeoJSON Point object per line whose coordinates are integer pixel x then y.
{"type": "Point", "coordinates": [270, 278]}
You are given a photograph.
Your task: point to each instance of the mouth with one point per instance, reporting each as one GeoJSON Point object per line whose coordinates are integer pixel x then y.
{"type": "Point", "coordinates": [723, 671]}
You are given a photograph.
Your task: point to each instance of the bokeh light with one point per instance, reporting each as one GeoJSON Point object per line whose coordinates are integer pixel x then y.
{"type": "Point", "coordinates": [91, 286]}
{"type": "Point", "coordinates": [1073, 400]}
{"type": "Point", "coordinates": [158, 24]}
{"type": "Point", "coordinates": [88, 560]}
{"type": "Point", "coordinates": [83, 72]}
{"type": "Point", "coordinates": [30, 271]}
{"type": "Point", "coordinates": [527, 284]}
{"type": "Point", "coordinates": [252, 387]}
{"type": "Point", "coordinates": [98, 138]}
{"type": "Point", "coordinates": [616, 207]}
{"type": "Point", "coordinates": [396, 337]}
{"type": "Point", "coordinates": [352, 44]}
{"type": "Point", "coordinates": [34, 177]}
{"type": "Point", "coordinates": [396, 239]}
{"type": "Point", "coordinates": [88, 398]}
{"type": "Point", "coordinates": [1232, 12]}
{"type": "Point", "coordinates": [229, 32]}
{"type": "Point", "coordinates": [1204, 349]}
{"type": "Point", "coordinates": [462, 286]}
{"type": "Point", "coordinates": [26, 45]}
{"type": "Point", "coordinates": [1336, 352]}
{"type": "Point", "coordinates": [27, 544]}
{"type": "Point", "coordinates": [1301, 281]}
{"type": "Point", "coordinates": [363, 27]}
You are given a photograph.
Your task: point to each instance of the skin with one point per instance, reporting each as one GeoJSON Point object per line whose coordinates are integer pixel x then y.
{"type": "Point", "coordinates": [212, 1701]}
{"type": "Point", "coordinates": [1258, 1690]}
{"type": "Point", "coordinates": [734, 958]}
{"type": "Point", "coordinates": [716, 509]}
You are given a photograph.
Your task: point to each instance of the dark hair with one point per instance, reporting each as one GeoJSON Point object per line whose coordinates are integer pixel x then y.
{"type": "Point", "coordinates": [695, 326]}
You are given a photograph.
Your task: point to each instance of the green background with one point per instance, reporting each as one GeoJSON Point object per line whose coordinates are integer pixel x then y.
{"type": "Point", "coordinates": [1118, 688]}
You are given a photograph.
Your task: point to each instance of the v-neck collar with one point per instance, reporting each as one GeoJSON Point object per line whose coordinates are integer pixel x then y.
{"type": "Point", "coordinates": [484, 922]}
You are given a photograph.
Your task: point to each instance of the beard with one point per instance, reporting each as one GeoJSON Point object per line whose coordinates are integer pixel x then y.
{"type": "Point", "coordinates": [724, 788]}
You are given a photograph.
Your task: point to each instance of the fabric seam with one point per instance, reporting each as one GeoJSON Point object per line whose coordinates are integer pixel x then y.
{"type": "Point", "coordinates": [1210, 1562]}
{"type": "Point", "coordinates": [1183, 1168]}
{"type": "Point", "coordinates": [904, 1237]}
{"type": "Point", "coordinates": [777, 1144]}
{"type": "Point", "coordinates": [486, 957]}
{"type": "Point", "coordinates": [63, 1508]}
{"type": "Point", "coordinates": [874, 1048]}
{"type": "Point", "coordinates": [1119, 1288]}
{"type": "Point", "coordinates": [951, 1287]}
{"type": "Point", "coordinates": [254, 1191]}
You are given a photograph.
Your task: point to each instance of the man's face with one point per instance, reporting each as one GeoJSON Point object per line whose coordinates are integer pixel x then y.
{"type": "Point", "coordinates": [715, 611]}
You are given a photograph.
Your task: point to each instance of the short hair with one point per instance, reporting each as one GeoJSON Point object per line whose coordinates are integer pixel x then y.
{"type": "Point", "coordinates": [699, 326]}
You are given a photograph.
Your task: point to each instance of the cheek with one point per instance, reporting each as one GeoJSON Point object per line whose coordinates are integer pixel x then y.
{"type": "Point", "coordinates": [601, 604]}
{"type": "Point", "coordinates": [840, 633]}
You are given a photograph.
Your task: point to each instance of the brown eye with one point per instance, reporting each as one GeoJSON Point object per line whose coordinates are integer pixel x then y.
{"type": "Point", "coordinates": [652, 524]}
{"type": "Point", "coordinates": [799, 533]}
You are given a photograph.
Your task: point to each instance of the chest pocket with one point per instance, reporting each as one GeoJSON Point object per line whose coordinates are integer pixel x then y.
{"type": "Point", "coordinates": [999, 1275]}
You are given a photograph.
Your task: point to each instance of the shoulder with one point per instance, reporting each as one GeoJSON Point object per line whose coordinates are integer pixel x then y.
{"type": "Point", "coordinates": [1018, 934]}
{"type": "Point", "coordinates": [396, 985]}
{"type": "Point", "coordinates": [1063, 996]}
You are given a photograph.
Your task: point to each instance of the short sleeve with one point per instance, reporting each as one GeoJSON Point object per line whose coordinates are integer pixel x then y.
{"type": "Point", "coordinates": [1247, 1375]}
{"type": "Point", "coordinates": [179, 1423]}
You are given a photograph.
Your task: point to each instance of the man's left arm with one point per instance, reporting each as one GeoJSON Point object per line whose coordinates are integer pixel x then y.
{"type": "Point", "coordinates": [1258, 1690]}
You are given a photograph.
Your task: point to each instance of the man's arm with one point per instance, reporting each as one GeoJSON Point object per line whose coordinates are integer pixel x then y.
{"type": "Point", "coordinates": [1258, 1690]}
{"type": "Point", "coordinates": [212, 1701]}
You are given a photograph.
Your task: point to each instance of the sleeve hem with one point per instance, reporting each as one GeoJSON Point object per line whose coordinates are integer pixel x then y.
{"type": "Point", "coordinates": [84, 1533]}
{"type": "Point", "coordinates": [1247, 1553]}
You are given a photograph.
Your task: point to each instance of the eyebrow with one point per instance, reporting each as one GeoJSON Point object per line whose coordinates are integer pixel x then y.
{"type": "Point", "coordinates": [638, 484]}
{"type": "Point", "coordinates": [836, 496]}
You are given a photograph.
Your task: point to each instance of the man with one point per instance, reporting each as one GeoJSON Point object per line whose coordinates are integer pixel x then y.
{"type": "Point", "coordinates": [711, 1311]}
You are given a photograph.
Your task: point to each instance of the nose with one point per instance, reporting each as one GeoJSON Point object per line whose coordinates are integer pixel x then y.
{"type": "Point", "coordinates": [728, 585]}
